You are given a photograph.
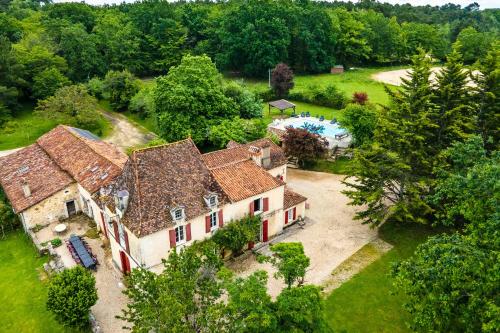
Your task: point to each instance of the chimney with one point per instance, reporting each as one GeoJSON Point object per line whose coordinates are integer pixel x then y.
{"type": "Point", "coordinates": [265, 152]}
{"type": "Point", "coordinates": [26, 189]}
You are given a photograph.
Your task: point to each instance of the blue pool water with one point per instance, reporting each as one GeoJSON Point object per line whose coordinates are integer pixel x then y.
{"type": "Point", "coordinates": [328, 129]}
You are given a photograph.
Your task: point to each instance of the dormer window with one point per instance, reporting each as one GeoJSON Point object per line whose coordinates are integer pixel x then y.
{"type": "Point", "coordinates": [177, 214]}
{"type": "Point", "coordinates": [122, 200]}
{"type": "Point", "coordinates": [212, 200]}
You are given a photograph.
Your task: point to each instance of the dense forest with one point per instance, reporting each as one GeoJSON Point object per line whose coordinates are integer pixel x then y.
{"type": "Point", "coordinates": [46, 45]}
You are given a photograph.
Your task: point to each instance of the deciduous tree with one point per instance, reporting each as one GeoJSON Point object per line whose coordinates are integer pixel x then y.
{"type": "Point", "coordinates": [47, 82]}
{"type": "Point", "coordinates": [304, 145]}
{"type": "Point", "coordinates": [360, 121]}
{"type": "Point", "coordinates": [120, 87]}
{"type": "Point", "coordinates": [282, 80]}
{"type": "Point", "coordinates": [71, 294]}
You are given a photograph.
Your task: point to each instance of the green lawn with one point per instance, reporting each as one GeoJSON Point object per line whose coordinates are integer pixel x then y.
{"type": "Point", "coordinates": [24, 129]}
{"type": "Point", "coordinates": [314, 110]}
{"type": "Point", "coordinates": [341, 166]}
{"type": "Point", "coordinates": [348, 82]}
{"type": "Point", "coordinates": [22, 294]}
{"type": "Point", "coordinates": [367, 303]}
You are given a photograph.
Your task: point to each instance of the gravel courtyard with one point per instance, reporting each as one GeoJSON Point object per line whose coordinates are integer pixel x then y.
{"type": "Point", "coordinates": [330, 235]}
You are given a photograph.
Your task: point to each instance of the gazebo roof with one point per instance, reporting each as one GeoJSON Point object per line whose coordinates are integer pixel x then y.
{"type": "Point", "coordinates": [282, 104]}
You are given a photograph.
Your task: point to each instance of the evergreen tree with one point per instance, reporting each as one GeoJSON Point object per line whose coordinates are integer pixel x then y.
{"type": "Point", "coordinates": [487, 99]}
{"type": "Point", "coordinates": [392, 176]}
{"type": "Point", "coordinates": [454, 112]}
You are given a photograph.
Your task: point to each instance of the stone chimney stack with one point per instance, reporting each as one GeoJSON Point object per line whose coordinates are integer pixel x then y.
{"type": "Point", "coordinates": [26, 189]}
{"type": "Point", "coordinates": [266, 156]}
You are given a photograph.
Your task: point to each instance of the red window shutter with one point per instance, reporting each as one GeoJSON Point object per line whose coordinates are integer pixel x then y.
{"type": "Point", "coordinates": [294, 213]}
{"type": "Point", "coordinates": [251, 208]}
{"type": "Point", "coordinates": [221, 219]}
{"type": "Point", "coordinates": [286, 217]}
{"type": "Point", "coordinates": [188, 232]}
{"type": "Point", "coordinates": [207, 224]}
{"type": "Point", "coordinates": [115, 229]}
{"type": "Point", "coordinates": [266, 204]}
{"type": "Point", "coordinates": [127, 248]}
{"type": "Point", "coordinates": [172, 238]}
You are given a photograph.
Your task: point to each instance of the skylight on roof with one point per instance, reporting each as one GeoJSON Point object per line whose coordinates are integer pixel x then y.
{"type": "Point", "coordinates": [86, 134]}
{"type": "Point", "coordinates": [104, 176]}
{"type": "Point", "coordinates": [23, 169]}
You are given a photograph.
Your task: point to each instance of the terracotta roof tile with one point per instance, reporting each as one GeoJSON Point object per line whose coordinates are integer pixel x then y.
{"type": "Point", "coordinates": [292, 198]}
{"type": "Point", "coordinates": [244, 179]}
{"type": "Point", "coordinates": [161, 178]}
{"type": "Point", "coordinates": [33, 166]}
{"type": "Point", "coordinates": [244, 152]}
{"type": "Point", "coordinates": [90, 161]}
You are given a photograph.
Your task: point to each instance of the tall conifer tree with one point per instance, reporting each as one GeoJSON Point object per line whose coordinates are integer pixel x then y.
{"type": "Point", "coordinates": [453, 115]}
{"type": "Point", "coordinates": [392, 176]}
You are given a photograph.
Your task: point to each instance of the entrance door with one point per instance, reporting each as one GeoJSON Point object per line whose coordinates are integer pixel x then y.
{"type": "Point", "coordinates": [125, 263]}
{"type": "Point", "coordinates": [265, 232]}
{"type": "Point", "coordinates": [71, 207]}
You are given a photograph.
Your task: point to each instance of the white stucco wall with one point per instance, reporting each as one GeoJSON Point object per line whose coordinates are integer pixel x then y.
{"type": "Point", "coordinates": [278, 171]}
{"type": "Point", "coordinates": [95, 210]}
{"type": "Point", "coordinates": [52, 208]}
{"type": "Point", "coordinates": [300, 212]}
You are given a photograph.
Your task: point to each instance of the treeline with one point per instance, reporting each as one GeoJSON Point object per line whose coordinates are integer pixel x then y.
{"type": "Point", "coordinates": [75, 42]}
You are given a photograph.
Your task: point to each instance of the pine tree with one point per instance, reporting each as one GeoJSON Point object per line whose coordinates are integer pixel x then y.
{"type": "Point", "coordinates": [451, 96]}
{"type": "Point", "coordinates": [392, 176]}
{"type": "Point", "coordinates": [488, 99]}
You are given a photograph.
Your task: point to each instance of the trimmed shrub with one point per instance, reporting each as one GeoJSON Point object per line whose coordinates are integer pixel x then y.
{"type": "Point", "coordinates": [236, 234]}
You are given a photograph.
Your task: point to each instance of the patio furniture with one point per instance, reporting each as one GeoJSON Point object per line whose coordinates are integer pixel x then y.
{"type": "Point", "coordinates": [321, 118]}
{"type": "Point", "coordinates": [60, 228]}
{"type": "Point", "coordinates": [281, 105]}
{"type": "Point", "coordinates": [82, 252]}
{"type": "Point", "coordinates": [308, 114]}
{"type": "Point", "coordinates": [302, 114]}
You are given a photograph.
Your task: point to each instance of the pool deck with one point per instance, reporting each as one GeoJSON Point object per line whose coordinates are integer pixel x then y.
{"type": "Point", "coordinates": [282, 124]}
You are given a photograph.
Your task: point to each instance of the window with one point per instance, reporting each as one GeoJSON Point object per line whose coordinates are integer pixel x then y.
{"type": "Point", "coordinates": [177, 214]}
{"type": "Point", "coordinates": [257, 205]}
{"type": "Point", "coordinates": [180, 234]}
{"type": "Point", "coordinates": [290, 214]}
{"type": "Point", "coordinates": [213, 220]}
{"type": "Point", "coordinates": [213, 200]}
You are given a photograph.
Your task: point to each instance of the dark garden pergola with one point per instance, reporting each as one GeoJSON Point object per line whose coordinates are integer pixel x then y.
{"type": "Point", "coordinates": [281, 105]}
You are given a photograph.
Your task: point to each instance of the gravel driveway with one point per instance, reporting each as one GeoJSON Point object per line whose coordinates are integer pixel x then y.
{"type": "Point", "coordinates": [394, 77]}
{"type": "Point", "coordinates": [125, 134]}
{"type": "Point", "coordinates": [330, 235]}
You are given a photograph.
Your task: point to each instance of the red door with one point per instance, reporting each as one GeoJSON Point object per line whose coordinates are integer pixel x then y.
{"type": "Point", "coordinates": [125, 263]}
{"type": "Point", "coordinates": [265, 235]}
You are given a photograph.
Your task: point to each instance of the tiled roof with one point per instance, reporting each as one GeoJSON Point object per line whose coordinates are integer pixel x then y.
{"type": "Point", "coordinates": [90, 161]}
{"type": "Point", "coordinates": [244, 179]}
{"type": "Point", "coordinates": [33, 166]}
{"type": "Point", "coordinates": [161, 178]}
{"type": "Point", "coordinates": [292, 198]}
{"type": "Point", "coordinates": [244, 152]}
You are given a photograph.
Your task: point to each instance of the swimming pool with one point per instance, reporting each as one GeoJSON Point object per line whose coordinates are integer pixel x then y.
{"type": "Point", "coordinates": [327, 130]}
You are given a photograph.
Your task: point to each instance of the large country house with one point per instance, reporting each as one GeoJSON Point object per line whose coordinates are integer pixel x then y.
{"type": "Point", "coordinates": [158, 199]}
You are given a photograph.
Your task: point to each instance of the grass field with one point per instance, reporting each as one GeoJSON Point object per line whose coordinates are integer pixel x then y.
{"type": "Point", "coordinates": [348, 82]}
{"type": "Point", "coordinates": [22, 294]}
{"type": "Point", "coordinates": [340, 166]}
{"type": "Point", "coordinates": [26, 127]}
{"type": "Point", "coordinates": [367, 303]}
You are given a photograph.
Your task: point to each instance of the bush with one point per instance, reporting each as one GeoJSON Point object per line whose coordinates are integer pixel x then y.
{"type": "Point", "coordinates": [95, 87]}
{"type": "Point", "coordinates": [360, 121]}
{"type": "Point", "coordinates": [121, 87]}
{"type": "Point", "coordinates": [56, 242]}
{"type": "Point", "coordinates": [236, 234]}
{"type": "Point", "coordinates": [360, 97]}
{"type": "Point", "coordinates": [71, 294]}
{"type": "Point", "coordinates": [328, 96]}
{"type": "Point", "coordinates": [249, 104]}
{"type": "Point", "coordinates": [72, 105]}
{"type": "Point", "coordinates": [238, 130]}
{"type": "Point", "coordinates": [47, 82]}
{"type": "Point", "coordinates": [143, 102]}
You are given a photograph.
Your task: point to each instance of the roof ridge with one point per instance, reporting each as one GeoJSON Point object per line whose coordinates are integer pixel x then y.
{"type": "Point", "coordinates": [138, 187]}
{"type": "Point", "coordinates": [168, 144]}
{"type": "Point", "coordinates": [66, 128]}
